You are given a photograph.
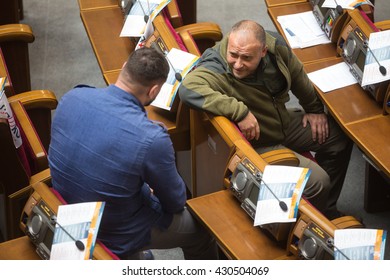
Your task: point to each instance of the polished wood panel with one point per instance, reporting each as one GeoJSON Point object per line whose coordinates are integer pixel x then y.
{"type": "Point", "coordinates": [273, 3]}
{"type": "Point", "coordinates": [97, 4]}
{"type": "Point", "coordinates": [373, 138]}
{"type": "Point", "coordinates": [306, 55]}
{"type": "Point", "coordinates": [233, 229]}
{"type": "Point", "coordinates": [103, 27]}
{"type": "Point", "coordinates": [18, 249]}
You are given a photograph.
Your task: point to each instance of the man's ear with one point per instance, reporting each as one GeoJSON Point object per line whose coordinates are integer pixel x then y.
{"type": "Point", "coordinates": [264, 51]}
{"type": "Point", "coordinates": [153, 91]}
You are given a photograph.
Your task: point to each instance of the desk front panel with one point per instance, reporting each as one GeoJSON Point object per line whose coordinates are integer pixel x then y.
{"type": "Point", "coordinates": [306, 55]}
{"type": "Point", "coordinates": [103, 27]}
{"type": "Point", "coordinates": [221, 213]}
{"type": "Point", "coordinates": [373, 137]}
{"type": "Point", "coordinates": [348, 104]}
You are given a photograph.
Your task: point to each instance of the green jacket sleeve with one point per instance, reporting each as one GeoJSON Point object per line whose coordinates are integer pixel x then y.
{"type": "Point", "coordinates": [205, 90]}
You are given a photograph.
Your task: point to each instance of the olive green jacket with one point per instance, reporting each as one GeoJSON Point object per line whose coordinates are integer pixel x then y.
{"type": "Point", "coordinates": [213, 88]}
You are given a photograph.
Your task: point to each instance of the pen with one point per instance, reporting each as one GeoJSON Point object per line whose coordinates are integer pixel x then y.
{"type": "Point", "coordinates": [290, 32]}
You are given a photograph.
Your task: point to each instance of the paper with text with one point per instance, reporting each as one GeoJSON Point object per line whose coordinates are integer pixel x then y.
{"type": "Point", "coordinates": [81, 221]}
{"type": "Point", "coordinates": [6, 113]}
{"type": "Point", "coordinates": [332, 77]}
{"type": "Point", "coordinates": [302, 30]}
{"type": "Point", "coordinates": [287, 183]}
{"type": "Point", "coordinates": [378, 54]}
{"type": "Point", "coordinates": [135, 24]}
{"type": "Point", "coordinates": [182, 62]}
{"type": "Point", "coordinates": [345, 4]}
{"type": "Point", "coordinates": [360, 244]}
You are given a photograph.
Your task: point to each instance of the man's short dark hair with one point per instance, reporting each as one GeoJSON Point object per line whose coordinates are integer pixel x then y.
{"type": "Point", "coordinates": [147, 66]}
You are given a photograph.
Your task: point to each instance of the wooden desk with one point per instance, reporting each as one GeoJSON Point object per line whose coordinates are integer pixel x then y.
{"type": "Point", "coordinates": [360, 116]}
{"type": "Point", "coordinates": [233, 229]}
{"type": "Point", "coordinates": [306, 55]}
{"type": "Point", "coordinates": [103, 28]}
{"type": "Point", "coordinates": [97, 4]}
{"type": "Point", "coordinates": [274, 3]}
{"type": "Point", "coordinates": [18, 249]}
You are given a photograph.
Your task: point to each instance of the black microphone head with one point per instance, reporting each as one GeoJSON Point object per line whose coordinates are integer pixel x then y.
{"type": "Point", "coordinates": [283, 206]}
{"type": "Point", "coordinates": [339, 9]}
{"type": "Point", "coordinates": [179, 78]}
{"type": "Point", "coordinates": [383, 70]}
{"type": "Point", "coordinates": [80, 245]}
{"type": "Point", "coordinates": [146, 18]}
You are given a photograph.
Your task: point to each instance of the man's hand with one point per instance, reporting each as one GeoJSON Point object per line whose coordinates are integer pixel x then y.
{"type": "Point", "coordinates": [319, 126]}
{"type": "Point", "coordinates": [250, 127]}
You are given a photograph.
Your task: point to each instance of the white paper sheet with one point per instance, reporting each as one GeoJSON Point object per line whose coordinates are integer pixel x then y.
{"type": "Point", "coordinates": [332, 77]}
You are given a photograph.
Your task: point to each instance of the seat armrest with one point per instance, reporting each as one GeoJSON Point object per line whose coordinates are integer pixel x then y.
{"type": "Point", "coordinates": [202, 30]}
{"type": "Point", "coordinates": [36, 99]}
{"type": "Point", "coordinates": [37, 149]}
{"type": "Point", "coordinates": [16, 32]}
{"type": "Point", "coordinates": [280, 157]}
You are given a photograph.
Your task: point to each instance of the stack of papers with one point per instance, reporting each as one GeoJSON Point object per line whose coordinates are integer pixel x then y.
{"type": "Point", "coordinates": [302, 30]}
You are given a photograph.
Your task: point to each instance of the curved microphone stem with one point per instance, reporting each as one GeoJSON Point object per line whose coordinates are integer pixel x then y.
{"type": "Point", "coordinates": [178, 76]}
{"type": "Point", "coordinates": [382, 69]}
{"type": "Point", "coordinates": [282, 204]}
{"type": "Point", "coordinates": [78, 243]}
{"type": "Point", "coordinates": [330, 243]}
{"type": "Point", "coordinates": [146, 17]}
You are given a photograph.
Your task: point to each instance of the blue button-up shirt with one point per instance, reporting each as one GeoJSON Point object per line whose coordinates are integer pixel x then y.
{"type": "Point", "coordinates": [104, 148]}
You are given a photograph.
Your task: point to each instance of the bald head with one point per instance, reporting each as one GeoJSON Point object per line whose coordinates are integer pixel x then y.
{"type": "Point", "coordinates": [250, 28]}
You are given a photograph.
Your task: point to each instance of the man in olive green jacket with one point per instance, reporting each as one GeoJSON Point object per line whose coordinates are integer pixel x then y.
{"type": "Point", "coordinates": [247, 78]}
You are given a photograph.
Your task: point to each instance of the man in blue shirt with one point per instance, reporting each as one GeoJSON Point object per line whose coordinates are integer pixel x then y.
{"type": "Point", "coordinates": [104, 148]}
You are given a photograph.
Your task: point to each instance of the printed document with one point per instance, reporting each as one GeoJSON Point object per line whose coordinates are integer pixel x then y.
{"type": "Point", "coordinates": [135, 23]}
{"type": "Point", "coordinates": [287, 184]}
{"type": "Point", "coordinates": [332, 77]}
{"type": "Point", "coordinates": [378, 54]}
{"type": "Point", "coordinates": [302, 30]}
{"type": "Point", "coordinates": [76, 222]}
{"type": "Point", "coordinates": [345, 4]}
{"type": "Point", "coordinates": [182, 62]}
{"type": "Point", "coordinates": [359, 244]}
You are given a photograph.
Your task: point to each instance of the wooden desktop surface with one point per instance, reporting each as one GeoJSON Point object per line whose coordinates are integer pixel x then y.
{"type": "Point", "coordinates": [221, 213]}
{"type": "Point", "coordinates": [360, 116]}
{"type": "Point", "coordinates": [18, 249]}
{"type": "Point", "coordinates": [97, 4]}
{"type": "Point", "coordinates": [306, 55]}
{"type": "Point", "coordinates": [103, 27]}
{"type": "Point", "coordinates": [273, 3]}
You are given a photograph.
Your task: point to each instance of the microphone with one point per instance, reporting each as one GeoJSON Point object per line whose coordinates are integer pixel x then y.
{"type": "Point", "coordinates": [339, 9]}
{"type": "Point", "coordinates": [79, 244]}
{"type": "Point", "coordinates": [330, 244]}
{"type": "Point", "coordinates": [282, 204]}
{"type": "Point", "coordinates": [146, 17]}
{"type": "Point", "coordinates": [382, 69]}
{"type": "Point", "coordinates": [178, 76]}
